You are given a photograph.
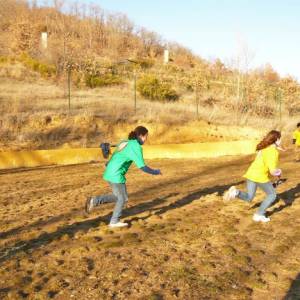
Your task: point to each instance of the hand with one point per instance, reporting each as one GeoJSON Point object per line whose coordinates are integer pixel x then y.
{"type": "Point", "coordinates": [276, 173]}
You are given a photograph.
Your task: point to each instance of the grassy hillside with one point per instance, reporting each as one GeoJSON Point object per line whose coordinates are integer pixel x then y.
{"type": "Point", "coordinates": [42, 120]}
{"type": "Point", "coordinates": [106, 56]}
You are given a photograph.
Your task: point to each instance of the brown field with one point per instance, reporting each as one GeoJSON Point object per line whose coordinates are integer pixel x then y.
{"type": "Point", "coordinates": [184, 242]}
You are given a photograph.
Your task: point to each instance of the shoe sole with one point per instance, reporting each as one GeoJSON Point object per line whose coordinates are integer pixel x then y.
{"type": "Point", "coordinates": [87, 206]}
{"type": "Point", "coordinates": [117, 226]}
{"type": "Point", "coordinates": [226, 196]}
{"type": "Point", "coordinates": [261, 221]}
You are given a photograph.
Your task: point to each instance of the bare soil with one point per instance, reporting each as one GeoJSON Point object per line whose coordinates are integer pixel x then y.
{"type": "Point", "coordinates": [183, 242]}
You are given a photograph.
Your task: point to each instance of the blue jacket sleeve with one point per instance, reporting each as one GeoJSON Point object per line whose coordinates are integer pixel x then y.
{"type": "Point", "coordinates": [148, 170]}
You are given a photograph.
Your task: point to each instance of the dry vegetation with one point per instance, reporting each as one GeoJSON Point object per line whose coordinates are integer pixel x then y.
{"type": "Point", "coordinates": [103, 53]}
{"type": "Point", "coordinates": [101, 114]}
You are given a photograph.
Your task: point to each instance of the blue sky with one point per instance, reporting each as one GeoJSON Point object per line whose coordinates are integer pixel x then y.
{"type": "Point", "coordinates": [218, 28]}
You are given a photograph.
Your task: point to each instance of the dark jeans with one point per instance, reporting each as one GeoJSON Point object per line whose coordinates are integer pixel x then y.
{"type": "Point", "coordinates": [251, 190]}
{"type": "Point", "coordinates": [119, 196]}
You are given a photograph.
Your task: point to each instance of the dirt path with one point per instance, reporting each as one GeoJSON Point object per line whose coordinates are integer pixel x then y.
{"type": "Point", "coordinates": [184, 242]}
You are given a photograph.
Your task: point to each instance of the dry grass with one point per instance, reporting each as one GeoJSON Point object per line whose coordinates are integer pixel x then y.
{"type": "Point", "coordinates": [34, 114]}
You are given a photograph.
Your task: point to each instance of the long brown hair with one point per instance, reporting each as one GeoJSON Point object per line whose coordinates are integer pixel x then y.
{"type": "Point", "coordinates": [269, 139]}
{"type": "Point", "coordinates": [138, 131]}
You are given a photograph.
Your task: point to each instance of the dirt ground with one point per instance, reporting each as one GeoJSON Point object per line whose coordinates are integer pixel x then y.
{"type": "Point", "coordinates": [183, 242]}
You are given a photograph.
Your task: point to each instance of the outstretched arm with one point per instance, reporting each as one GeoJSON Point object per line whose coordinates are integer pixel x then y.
{"type": "Point", "coordinates": [148, 170]}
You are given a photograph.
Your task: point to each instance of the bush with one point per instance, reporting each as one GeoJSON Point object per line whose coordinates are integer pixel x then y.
{"type": "Point", "coordinates": [45, 70]}
{"type": "Point", "coordinates": [3, 59]}
{"type": "Point", "coordinates": [151, 88]}
{"type": "Point", "coordinates": [146, 63]}
{"type": "Point", "coordinates": [93, 81]}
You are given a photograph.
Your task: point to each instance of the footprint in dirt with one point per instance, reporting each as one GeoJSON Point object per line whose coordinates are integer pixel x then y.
{"type": "Point", "coordinates": [64, 283]}
{"type": "Point", "coordinates": [26, 280]}
{"type": "Point", "coordinates": [246, 223]}
{"type": "Point", "coordinates": [52, 294]}
{"type": "Point", "coordinates": [23, 295]}
{"type": "Point", "coordinates": [131, 238]}
{"type": "Point", "coordinates": [59, 262]}
{"type": "Point", "coordinates": [90, 264]}
{"type": "Point", "coordinates": [37, 288]}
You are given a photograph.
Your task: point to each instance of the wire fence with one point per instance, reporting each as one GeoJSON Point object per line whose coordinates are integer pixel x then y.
{"type": "Point", "coordinates": [232, 94]}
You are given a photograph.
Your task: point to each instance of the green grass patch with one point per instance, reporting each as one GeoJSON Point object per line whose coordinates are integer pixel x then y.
{"type": "Point", "coordinates": [3, 59]}
{"type": "Point", "coordinates": [152, 88]}
{"type": "Point", "coordinates": [45, 70]}
{"type": "Point", "coordinates": [94, 81]}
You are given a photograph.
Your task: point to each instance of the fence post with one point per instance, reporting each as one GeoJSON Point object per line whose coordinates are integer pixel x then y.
{"type": "Point", "coordinates": [69, 87]}
{"type": "Point", "coordinates": [197, 100]}
{"type": "Point", "coordinates": [280, 104]}
{"type": "Point", "coordinates": [238, 88]}
{"type": "Point", "coordinates": [278, 100]}
{"type": "Point", "coordinates": [134, 91]}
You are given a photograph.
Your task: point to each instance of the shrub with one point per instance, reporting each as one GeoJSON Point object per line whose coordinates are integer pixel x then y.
{"type": "Point", "coordinates": [3, 59]}
{"type": "Point", "coordinates": [146, 63]}
{"type": "Point", "coordinates": [46, 70]}
{"type": "Point", "coordinates": [150, 87]}
{"type": "Point", "coordinates": [93, 81]}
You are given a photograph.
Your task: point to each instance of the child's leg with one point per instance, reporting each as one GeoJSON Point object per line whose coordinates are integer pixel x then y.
{"type": "Point", "coordinates": [101, 199]}
{"type": "Point", "coordinates": [271, 197]}
{"type": "Point", "coordinates": [120, 191]}
{"type": "Point", "coordinates": [251, 190]}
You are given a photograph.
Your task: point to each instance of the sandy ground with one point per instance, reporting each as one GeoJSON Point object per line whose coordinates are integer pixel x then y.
{"type": "Point", "coordinates": [184, 242]}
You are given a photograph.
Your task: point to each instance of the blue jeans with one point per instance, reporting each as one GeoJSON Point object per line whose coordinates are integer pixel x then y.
{"type": "Point", "coordinates": [251, 190]}
{"type": "Point", "coordinates": [118, 196]}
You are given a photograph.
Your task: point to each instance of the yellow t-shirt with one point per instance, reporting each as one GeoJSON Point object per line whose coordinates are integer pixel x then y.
{"type": "Point", "coordinates": [265, 162]}
{"type": "Point", "coordinates": [296, 136]}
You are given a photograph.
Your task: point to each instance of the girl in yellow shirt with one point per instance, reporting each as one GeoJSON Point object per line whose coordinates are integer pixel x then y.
{"type": "Point", "coordinates": [257, 175]}
{"type": "Point", "coordinates": [296, 141]}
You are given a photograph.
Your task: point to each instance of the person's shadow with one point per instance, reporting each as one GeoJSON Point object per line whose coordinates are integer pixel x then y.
{"type": "Point", "coordinates": [294, 290]}
{"type": "Point", "coordinates": [288, 197]}
{"type": "Point", "coordinates": [10, 251]}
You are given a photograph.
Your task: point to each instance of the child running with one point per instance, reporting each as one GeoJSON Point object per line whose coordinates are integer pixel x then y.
{"type": "Point", "coordinates": [257, 175]}
{"type": "Point", "coordinates": [296, 142]}
{"type": "Point", "coordinates": [126, 152]}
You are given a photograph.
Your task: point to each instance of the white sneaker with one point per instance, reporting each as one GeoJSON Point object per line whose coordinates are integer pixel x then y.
{"type": "Point", "coordinates": [261, 218]}
{"type": "Point", "coordinates": [230, 194]}
{"type": "Point", "coordinates": [118, 225]}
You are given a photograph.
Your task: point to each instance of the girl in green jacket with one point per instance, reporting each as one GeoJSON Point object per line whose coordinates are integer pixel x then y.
{"type": "Point", "coordinates": [126, 152]}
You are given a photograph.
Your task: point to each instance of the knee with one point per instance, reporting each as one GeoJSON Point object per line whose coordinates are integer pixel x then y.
{"type": "Point", "coordinates": [250, 197]}
{"type": "Point", "coordinates": [123, 199]}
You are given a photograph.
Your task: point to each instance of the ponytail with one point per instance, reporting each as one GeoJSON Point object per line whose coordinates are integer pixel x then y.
{"type": "Point", "coordinates": [138, 131]}
{"type": "Point", "coordinates": [132, 135]}
{"type": "Point", "coordinates": [268, 140]}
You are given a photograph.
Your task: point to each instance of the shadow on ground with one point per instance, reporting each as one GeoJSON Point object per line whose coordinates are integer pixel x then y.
{"type": "Point", "coordinates": [288, 197]}
{"type": "Point", "coordinates": [71, 230]}
{"type": "Point", "coordinates": [294, 291]}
